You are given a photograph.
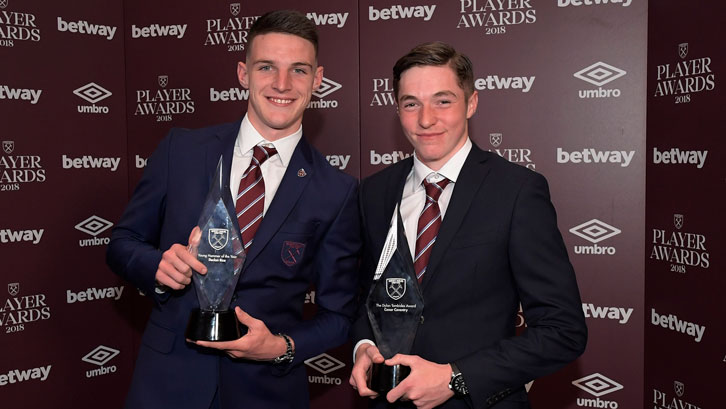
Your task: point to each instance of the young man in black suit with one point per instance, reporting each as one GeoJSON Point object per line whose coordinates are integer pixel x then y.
{"type": "Point", "coordinates": [497, 246]}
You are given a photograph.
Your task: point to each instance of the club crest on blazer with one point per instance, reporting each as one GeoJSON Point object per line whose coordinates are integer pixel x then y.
{"type": "Point", "coordinates": [292, 252]}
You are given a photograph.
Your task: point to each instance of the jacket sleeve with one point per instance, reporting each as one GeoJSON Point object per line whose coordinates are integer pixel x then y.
{"type": "Point", "coordinates": [556, 333]}
{"type": "Point", "coordinates": [133, 252]}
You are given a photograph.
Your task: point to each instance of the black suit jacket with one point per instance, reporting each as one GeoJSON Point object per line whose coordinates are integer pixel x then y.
{"type": "Point", "coordinates": [498, 246]}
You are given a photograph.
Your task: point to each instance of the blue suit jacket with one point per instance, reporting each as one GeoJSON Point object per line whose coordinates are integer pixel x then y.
{"type": "Point", "coordinates": [317, 210]}
{"type": "Point", "coordinates": [498, 246]}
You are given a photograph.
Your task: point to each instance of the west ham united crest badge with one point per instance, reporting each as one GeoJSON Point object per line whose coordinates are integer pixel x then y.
{"type": "Point", "coordinates": [396, 288]}
{"type": "Point", "coordinates": [495, 139]}
{"type": "Point", "coordinates": [218, 238]}
{"type": "Point", "coordinates": [683, 50]}
{"type": "Point", "coordinates": [678, 221]}
{"type": "Point", "coordinates": [163, 81]}
{"type": "Point", "coordinates": [292, 252]}
{"type": "Point", "coordinates": [13, 289]}
{"type": "Point", "coordinates": [679, 388]}
{"type": "Point", "coordinates": [8, 147]}
{"type": "Point", "coordinates": [234, 8]}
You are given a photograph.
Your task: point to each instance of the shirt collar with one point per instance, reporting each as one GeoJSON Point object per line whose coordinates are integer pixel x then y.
{"type": "Point", "coordinates": [450, 170]}
{"type": "Point", "coordinates": [248, 138]}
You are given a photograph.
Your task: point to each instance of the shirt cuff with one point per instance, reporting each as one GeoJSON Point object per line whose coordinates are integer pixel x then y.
{"type": "Point", "coordinates": [361, 342]}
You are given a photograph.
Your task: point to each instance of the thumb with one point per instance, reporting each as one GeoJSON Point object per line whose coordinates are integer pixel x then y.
{"type": "Point", "coordinates": [400, 359]}
{"type": "Point", "coordinates": [243, 317]}
{"type": "Point", "coordinates": [194, 237]}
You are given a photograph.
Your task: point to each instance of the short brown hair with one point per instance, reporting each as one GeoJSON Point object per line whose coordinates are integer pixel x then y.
{"type": "Point", "coordinates": [285, 22]}
{"type": "Point", "coordinates": [436, 53]}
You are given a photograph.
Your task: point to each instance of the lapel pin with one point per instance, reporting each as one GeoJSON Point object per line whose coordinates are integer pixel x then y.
{"type": "Point", "coordinates": [301, 173]}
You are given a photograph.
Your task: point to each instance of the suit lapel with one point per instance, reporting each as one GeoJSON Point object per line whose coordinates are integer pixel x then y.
{"type": "Point", "coordinates": [291, 187]}
{"type": "Point", "coordinates": [472, 175]}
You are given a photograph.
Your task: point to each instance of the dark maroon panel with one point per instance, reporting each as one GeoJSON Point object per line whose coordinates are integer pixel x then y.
{"type": "Point", "coordinates": [684, 327]}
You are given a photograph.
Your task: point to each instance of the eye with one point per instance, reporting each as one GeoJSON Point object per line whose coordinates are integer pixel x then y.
{"type": "Point", "coordinates": [302, 71]}
{"type": "Point", "coordinates": [265, 67]}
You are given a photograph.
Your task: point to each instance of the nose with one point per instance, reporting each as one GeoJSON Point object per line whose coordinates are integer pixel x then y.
{"type": "Point", "coordinates": [427, 116]}
{"type": "Point", "coordinates": [282, 81]}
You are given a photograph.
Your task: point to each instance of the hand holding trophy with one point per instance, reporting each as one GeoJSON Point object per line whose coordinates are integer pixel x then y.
{"type": "Point", "coordinates": [219, 247]}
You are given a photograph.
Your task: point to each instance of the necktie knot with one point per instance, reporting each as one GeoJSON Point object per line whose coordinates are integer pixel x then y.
{"type": "Point", "coordinates": [262, 153]}
{"type": "Point", "coordinates": [434, 190]}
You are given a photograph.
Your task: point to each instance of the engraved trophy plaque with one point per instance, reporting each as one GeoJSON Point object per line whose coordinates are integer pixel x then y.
{"type": "Point", "coordinates": [395, 306]}
{"type": "Point", "coordinates": [220, 249]}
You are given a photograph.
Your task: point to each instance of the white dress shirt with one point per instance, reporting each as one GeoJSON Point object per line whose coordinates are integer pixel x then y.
{"type": "Point", "coordinates": [273, 169]}
{"type": "Point", "coordinates": [413, 198]}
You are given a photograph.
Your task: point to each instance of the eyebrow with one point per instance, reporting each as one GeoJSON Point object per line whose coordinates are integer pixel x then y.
{"type": "Point", "coordinates": [445, 93]}
{"type": "Point", "coordinates": [295, 64]}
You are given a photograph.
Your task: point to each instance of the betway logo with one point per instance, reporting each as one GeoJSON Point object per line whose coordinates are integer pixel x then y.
{"type": "Point", "coordinates": [493, 82]}
{"type": "Point", "coordinates": [676, 156]}
{"type": "Point", "coordinates": [336, 19]}
{"type": "Point", "coordinates": [232, 94]}
{"type": "Point", "coordinates": [14, 236]}
{"type": "Point", "coordinates": [672, 323]}
{"type": "Point", "coordinates": [338, 161]}
{"type": "Point", "coordinates": [565, 3]}
{"type": "Point", "coordinates": [24, 94]}
{"type": "Point", "coordinates": [387, 158]}
{"type": "Point", "coordinates": [398, 12]}
{"type": "Point", "coordinates": [590, 155]}
{"type": "Point", "coordinates": [87, 162]}
{"type": "Point", "coordinates": [94, 294]}
{"type": "Point", "coordinates": [18, 375]}
{"type": "Point", "coordinates": [622, 315]}
{"type": "Point", "coordinates": [157, 30]}
{"type": "Point", "coordinates": [84, 27]}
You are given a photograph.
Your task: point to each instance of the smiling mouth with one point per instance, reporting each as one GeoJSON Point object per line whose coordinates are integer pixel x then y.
{"type": "Point", "coordinates": [280, 100]}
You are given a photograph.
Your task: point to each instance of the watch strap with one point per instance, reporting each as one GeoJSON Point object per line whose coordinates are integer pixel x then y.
{"type": "Point", "coordinates": [289, 354]}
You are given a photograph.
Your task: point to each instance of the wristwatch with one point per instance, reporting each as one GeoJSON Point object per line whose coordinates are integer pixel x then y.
{"type": "Point", "coordinates": [457, 383]}
{"type": "Point", "coordinates": [289, 354]}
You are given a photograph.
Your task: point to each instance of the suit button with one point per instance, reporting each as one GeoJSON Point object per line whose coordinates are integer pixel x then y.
{"type": "Point", "coordinates": [422, 320]}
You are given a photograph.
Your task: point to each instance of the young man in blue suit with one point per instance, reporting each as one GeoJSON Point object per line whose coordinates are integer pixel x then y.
{"type": "Point", "coordinates": [309, 234]}
{"type": "Point", "coordinates": [496, 245]}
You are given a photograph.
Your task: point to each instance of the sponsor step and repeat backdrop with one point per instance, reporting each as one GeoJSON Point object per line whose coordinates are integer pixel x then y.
{"type": "Point", "coordinates": [88, 89]}
{"type": "Point", "coordinates": [685, 354]}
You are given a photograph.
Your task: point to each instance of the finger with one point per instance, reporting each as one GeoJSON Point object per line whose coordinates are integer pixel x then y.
{"type": "Point", "coordinates": [244, 318]}
{"type": "Point", "coordinates": [395, 394]}
{"type": "Point", "coordinates": [166, 274]}
{"type": "Point", "coordinates": [187, 261]}
{"type": "Point", "coordinates": [359, 383]}
{"type": "Point", "coordinates": [164, 279]}
{"type": "Point", "coordinates": [223, 345]}
{"type": "Point", "coordinates": [375, 355]}
{"type": "Point", "coordinates": [400, 359]}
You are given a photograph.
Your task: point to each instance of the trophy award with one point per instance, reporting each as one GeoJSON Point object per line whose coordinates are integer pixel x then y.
{"type": "Point", "coordinates": [394, 306]}
{"type": "Point", "coordinates": [220, 249]}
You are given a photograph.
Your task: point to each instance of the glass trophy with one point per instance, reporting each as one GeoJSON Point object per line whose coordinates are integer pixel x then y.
{"type": "Point", "coordinates": [395, 306]}
{"type": "Point", "coordinates": [220, 249]}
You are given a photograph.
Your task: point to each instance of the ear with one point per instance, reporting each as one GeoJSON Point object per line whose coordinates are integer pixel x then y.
{"type": "Point", "coordinates": [471, 104]}
{"type": "Point", "coordinates": [242, 75]}
{"type": "Point", "coordinates": [318, 79]}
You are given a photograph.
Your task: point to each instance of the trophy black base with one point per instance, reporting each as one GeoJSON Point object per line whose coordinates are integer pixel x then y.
{"type": "Point", "coordinates": [214, 326]}
{"type": "Point", "coordinates": [384, 377]}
